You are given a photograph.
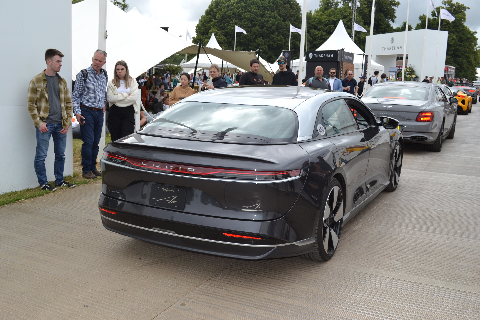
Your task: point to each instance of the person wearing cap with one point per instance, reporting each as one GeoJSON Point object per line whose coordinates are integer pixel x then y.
{"type": "Point", "coordinates": [285, 76]}
{"type": "Point", "coordinates": [361, 84]}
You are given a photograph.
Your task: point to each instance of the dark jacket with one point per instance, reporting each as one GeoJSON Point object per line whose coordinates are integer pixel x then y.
{"type": "Point", "coordinates": [218, 82]}
{"type": "Point", "coordinates": [284, 77]}
{"type": "Point", "coordinates": [249, 78]}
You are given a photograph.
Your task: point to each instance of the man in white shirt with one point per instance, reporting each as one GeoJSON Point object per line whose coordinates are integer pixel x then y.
{"type": "Point", "coordinates": [375, 77]}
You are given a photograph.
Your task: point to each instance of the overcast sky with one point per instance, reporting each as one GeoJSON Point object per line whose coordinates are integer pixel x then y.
{"type": "Point", "coordinates": [180, 15]}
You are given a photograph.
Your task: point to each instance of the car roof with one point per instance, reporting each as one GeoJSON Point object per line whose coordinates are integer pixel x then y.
{"type": "Point", "coordinates": [406, 83]}
{"type": "Point", "coordinates": [280, 96]}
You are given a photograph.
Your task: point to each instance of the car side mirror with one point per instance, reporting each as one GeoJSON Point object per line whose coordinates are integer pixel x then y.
{"type": "Point", "coordinates": [387, 122]}
{"type": "Point", "coordinates": [453, 100]}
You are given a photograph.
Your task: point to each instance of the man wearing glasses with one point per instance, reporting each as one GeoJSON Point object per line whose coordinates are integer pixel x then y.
{"type": "Point", "coordinates": [89, 104]}
{"type": "Point", "coordinates": [285, 76]}
{"type": "Point", "coordinates": [334, 83]}
{"type": "Point", "coordinates": [349, 84]}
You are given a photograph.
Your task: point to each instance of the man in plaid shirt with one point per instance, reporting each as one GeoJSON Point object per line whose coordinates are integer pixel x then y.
{"type": "Point", "coordinates": [89, 104]}
{"type": "Point", "coordinates": [50, 106]}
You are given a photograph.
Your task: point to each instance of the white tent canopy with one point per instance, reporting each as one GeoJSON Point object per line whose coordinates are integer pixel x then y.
{"type": "Point", "coordinates": [124, 42]}
{"type": "Point", "coordinates": [341, 40]}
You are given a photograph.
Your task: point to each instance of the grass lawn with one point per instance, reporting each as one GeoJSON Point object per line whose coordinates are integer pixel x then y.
{"type": "Point", "coordinates": [77, 178]}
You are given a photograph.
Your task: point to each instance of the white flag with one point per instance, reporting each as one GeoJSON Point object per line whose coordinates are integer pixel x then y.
{"type": "Point", "coordinates": [189, 36]}
{"type": "Point", "coordinates": [358, 27]}
{"type": "Point", "coordinates": [293, 29]}
{"type": "Point", "coordinates": [238, 29]}
{"type": "Point", "coordinates": [444, 14]}
{"type": "Point", "coordinates": [433, 6]}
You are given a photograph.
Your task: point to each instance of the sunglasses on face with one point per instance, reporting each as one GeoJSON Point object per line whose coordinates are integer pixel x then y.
{"type": "Point", "coordinates": [332, 72]}
{"type": "Point", "coordinates": [281, 62]}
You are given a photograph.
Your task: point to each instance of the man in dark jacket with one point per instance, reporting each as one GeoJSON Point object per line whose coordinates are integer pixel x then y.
{"type": "Point", "coordinates": [252, 77]}
{"type": "Point", "coordinates": [285, 76]}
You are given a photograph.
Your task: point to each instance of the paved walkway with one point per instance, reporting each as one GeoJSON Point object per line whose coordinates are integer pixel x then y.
{"type": "Point", "coordinates": [412, 254]}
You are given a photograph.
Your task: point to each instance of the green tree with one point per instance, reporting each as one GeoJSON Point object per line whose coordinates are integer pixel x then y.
{"type": "Point", "coordinates": [122, 4]}
{"type": "Point", "coordinates": [177, 58]}
{"type": "Point", "coordinates": [462, 50]}
{"type": "Point", "coordinates": [267, 23]}
{"type": "Point", "coordinates": [401, 28]}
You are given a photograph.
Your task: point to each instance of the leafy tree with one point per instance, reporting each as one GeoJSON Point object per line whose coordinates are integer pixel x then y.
{"type": "Point", "coordinates": [401, 28]}
{"type": "Point", "coordinates": [462, 50]}
{"type": "Point", "coordinates": [122, 4]}
{"type": "Point", "coordinates": [267, 23]}
{"type": "Point", "coordinates": [172, 69]}
{"type": "Point", "coordinates": [385, 15]}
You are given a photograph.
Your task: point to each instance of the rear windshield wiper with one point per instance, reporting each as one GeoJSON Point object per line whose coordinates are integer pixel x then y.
{"type": "Point", "coordinates": [177, 123]}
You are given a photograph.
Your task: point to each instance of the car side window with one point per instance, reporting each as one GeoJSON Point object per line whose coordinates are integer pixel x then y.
{"type": "Point", "coordinates": [440, 95]}
{"type": "Point", "coordinates": [335, 118]}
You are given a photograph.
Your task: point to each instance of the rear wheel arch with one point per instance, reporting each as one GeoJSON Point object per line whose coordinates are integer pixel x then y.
{"type": "Point", "coordinates": [340, 179]}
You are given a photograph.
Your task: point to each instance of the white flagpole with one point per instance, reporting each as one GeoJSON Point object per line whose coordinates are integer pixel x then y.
{"type": "Point", "coordinates": [405, 44]}
{"type": "Point", "coordinates": [372, 17]}
{"type": "Point", "coordinates": [235, 43]}
{"type": "Point", "coordinates": [438, 34]}
{"type": "Point", "coordinates": [102, 45]}
{"type": "Point", "coordinates": [186, 39]}
{"type": "Point", "coordinates": [422, 75]}
{"type": "Point", "coordinates": [289, 38]}
{"type": "Point", "coordinates": [302, 46]}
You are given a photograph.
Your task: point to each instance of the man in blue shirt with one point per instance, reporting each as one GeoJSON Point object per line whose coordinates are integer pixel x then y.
{"type": "Point", "coordinates": [89, 104]}
{"type": "Point", "coordinates": [350, 84]}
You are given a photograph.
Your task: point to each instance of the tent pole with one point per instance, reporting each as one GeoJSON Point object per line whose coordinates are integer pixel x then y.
{"type": "Point", "coordinates": [372, 18]}
{"type": "Point", "coordinates": [196, 64]}
{"type": "Point", "coordinates": [436, 54]}
{"type": "Point", "coordinates": [289, 38]}
{"type": "Point", "coordinates": [102, 45]}
{"type": "Point", "coordinates": [422, 75]}
{"type": "Point", "coordinates": [405, 45]}
{"type": "Point", "coordinates": [222, 69]}
{"type": "Point", "coordinates": [235, 43]}
{"type": "Point", "coordinates": [302, 45]}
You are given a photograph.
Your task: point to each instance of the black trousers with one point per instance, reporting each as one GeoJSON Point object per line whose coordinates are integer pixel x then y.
{"type": "Point", "coordinates": [121, 121]}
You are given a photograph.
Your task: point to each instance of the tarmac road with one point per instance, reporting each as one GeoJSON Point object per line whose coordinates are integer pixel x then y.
{"type": "Point", "coordinates": [411, 254]}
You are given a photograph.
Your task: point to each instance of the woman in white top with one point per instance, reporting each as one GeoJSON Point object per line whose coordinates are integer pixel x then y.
{"type": "Point", "coordinates": [122, 94]}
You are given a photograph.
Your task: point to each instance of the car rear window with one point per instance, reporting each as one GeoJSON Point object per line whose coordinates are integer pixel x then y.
{"type": "Point", "coordinates": [227, 123]}
{"type": "Point", "coordinates": [398, 92]}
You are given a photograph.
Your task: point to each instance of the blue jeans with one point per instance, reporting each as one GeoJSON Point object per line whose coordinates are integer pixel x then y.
{"type": "Point", "coordinates": [91, 132]}
{"type": "Point", "coordinates": [59, 144]}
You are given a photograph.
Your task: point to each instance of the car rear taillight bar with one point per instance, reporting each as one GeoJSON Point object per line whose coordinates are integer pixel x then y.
{"type": "Point", "coordinates": [176, 168]}
{"type": "Point", "coordinates": [425, 117]}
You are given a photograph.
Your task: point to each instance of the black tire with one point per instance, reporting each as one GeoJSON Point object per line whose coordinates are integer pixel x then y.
{"type": "Point", "coordinates": [474, 101]}
{"type": "Point", "coordinates": [451, 134]}
{"type": "Point", "coordinates": [395, 167]}
{"type": "Point", "coordinates": [469, 110]}
{"type": "Point", "coordinates": [329, 225]}
{"type": "Point", "coordinates": [460, 110]}
{"type": "Point", "coordinates": [438, 143]}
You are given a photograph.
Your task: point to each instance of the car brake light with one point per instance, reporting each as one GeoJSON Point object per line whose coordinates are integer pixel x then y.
{"type": "Point", "coordinates": [108, 211]}
{"type": "Point", "coordinates": [471, 90]}
{"type": "Point", "coordinates": [240, 236]}
{"type": "Point", "coordinates": [202, 171]}
{"type": "Point", "coordinates": [425, 117]}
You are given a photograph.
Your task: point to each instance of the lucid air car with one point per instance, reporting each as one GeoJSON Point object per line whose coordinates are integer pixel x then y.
{"type": "Point", "coordinates": [250, 172]}
{"type": "Point", "coordinates": [423, 108]}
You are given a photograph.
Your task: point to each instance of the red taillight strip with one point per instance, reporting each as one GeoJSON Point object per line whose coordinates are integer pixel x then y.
{"type": "Point", "coordinates": [425, 117]}
{"type": "Point", "coordinates": [196, 170]}
{"type": "Point", "coordinates": [108, 211]}
{"type": "Point", "coordinates": [240, 236]}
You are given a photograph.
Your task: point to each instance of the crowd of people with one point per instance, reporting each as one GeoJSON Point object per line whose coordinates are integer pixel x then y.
{"type": "Point", "coordinates": [449, 82]}
{"type": "Point", "coordinates": [51, 105]}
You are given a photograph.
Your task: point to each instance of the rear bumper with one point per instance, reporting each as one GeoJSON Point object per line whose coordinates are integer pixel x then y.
{"type": "Point", "coordinates": [202, 233]}
{"type": "Point", "coordinates": [420, 137]}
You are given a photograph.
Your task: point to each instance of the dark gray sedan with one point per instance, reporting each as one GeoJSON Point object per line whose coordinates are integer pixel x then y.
{"type": "Point", "coordinates": [423, 108]}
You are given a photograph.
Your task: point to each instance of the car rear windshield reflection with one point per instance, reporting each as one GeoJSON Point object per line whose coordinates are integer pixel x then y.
{"type": "Point", "coordinates": [398, 92]}
{"type": "Point", "coordinates": [226, 123]}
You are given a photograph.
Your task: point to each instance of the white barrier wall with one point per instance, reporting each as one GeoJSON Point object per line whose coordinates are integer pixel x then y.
{"type": "Point", "coordinates": [392, 44]}
{"type": "Point", "coordinates": [28, 28]}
